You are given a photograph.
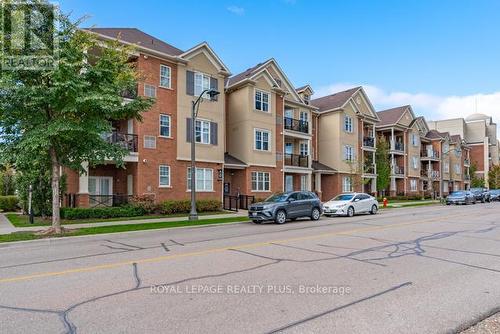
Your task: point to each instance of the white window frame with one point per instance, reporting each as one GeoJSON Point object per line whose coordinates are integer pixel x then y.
{"type": "Point", "coordinates": [149, 138]}
{"type": "Point", "coordinates": [259, 183]}
{"type": "Point", "coordinates": [203, 131]}
{"type": "Point", "coordinates": [304, 183]}
{"type": "Point", "coordinates": [304, 148]}
{"type": "Point", "coordinates": [163, 77]}
{"type": "Point", "coordinates": [149, 87]}
{"type": "Point", "coordinates": [446, 167]}
{"type": "Point", "coordinates": [304, 116]}
{"type": "Point", "coordinates": [413, 185]}
{"type": "Point", "coordinates": [414, 160]}
{"type": "Point", "coordinates": [167, 175]}
{"type": "Point", "coordinates": [349, 154]}
{"type": "Point", "coordinates": [261, 100]}
{"type": "Point", "coordinates": [348, 124]}
{"type": "Point", "coordinates": [169, 126]}
{"type": "Point", "coordinates": [262, 131]}
{"type": "Point", "coordinates": [206, 171]}
{"type": "Point", "coordinates": [201, 82]}
{"type": "Point", "coordinates": [457, 169]}
{"type": "Point", "coordinates": [414, 139]}
{"type": "Point", "coordinates": [347, 184]}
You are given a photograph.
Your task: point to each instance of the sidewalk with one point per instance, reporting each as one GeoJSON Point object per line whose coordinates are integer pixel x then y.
{"type": "Point", "coordinates": [6, 227]}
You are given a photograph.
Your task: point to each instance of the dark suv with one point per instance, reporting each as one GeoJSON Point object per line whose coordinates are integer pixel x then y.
{"type": "Point", "coordinates": [482, 194]}
{"type": "Point", "coordinates": [282, 206]}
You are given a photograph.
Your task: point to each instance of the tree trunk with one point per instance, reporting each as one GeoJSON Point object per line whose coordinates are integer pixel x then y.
{"type": "Point", "coordinates": [56, 219]}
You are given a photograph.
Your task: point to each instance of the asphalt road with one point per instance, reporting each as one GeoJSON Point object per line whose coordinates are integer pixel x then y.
{"type": "Point", "coordinates": [413, 270]}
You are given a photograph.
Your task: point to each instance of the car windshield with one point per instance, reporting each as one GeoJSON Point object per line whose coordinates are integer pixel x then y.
{"type": "Point", "coordinates": [458, 193]}
{"type": "Point", "coordinates": [343, 198]}
{"type": "Point", "coordinates": [277, 198]}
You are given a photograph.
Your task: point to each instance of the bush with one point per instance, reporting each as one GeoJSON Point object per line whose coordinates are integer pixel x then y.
{"type": "Point", "coordinates": [184, 206]}
{"type": "Point", "coordinates": [145, 202]}
{"type": "Point", "coordinates": [113, 212]}
{"type": "Point", "coordinates": [8, 203]}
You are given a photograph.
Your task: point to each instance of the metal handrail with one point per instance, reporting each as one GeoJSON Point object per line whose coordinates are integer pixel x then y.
{"type": "Point", "coordinates": [296, 125]}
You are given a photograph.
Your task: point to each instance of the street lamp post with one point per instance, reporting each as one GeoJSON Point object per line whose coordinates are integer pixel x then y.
{"type": "Point", "coordinates": [193, 215]}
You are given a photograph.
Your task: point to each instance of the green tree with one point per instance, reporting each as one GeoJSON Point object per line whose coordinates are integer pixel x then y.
{"type": "Point", "coordinates": [7, 180]}
{"type": "Point", "coordinates": [475, 181]}
{"type": "Point", "coordinates": [494, 177]}
{"type": "Point", "coordinates": [383, 164]}
{"type": "Point", "coordinates": [60, 114]}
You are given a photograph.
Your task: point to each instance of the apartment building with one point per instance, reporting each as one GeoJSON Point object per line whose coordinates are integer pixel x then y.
{"type": "Point", "coordinates": [480, 133]}
{"type": "Point", "coordinates": [159, 145]}
{"type": "Point", "coordinates": [345, 143]}
{"type": "Point", "coordinates": [269, 133]}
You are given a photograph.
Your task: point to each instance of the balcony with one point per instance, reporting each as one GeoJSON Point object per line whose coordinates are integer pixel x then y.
{"type": "Point", "coordinates": [398, 170]}
{"type": "Point", "coordinates": [129, 93]}
{"type": "Point", "coordinates": [429, 155]}
{"type": "Point", "coordinates": [296, 125]}
{"type": "Point", "coordinates": [466, 162]}
{"type": "Point", "coordinates": [296, 160]}
{"type": "Point", "coordinates": [124, 140]}
{"type": "Point", "coordinates": [397, 146]}
{"type": "Point", "coordinates": [369, 169]}
{"type": "Point", "coordinates": [434, 174]}
{"type": "Point", "coordinates": [467, 177]}
{"type": "Point", "coordinates": [369, 142]}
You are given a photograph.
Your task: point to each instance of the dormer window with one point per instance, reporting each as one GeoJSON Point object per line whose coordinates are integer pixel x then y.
{"type": "Point", "coordinates": [306, 98]}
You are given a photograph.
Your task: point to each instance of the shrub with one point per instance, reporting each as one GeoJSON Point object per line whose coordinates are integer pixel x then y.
{"type": "Point", "coordinates": [184, 206]}
{"type": "Point", "coordinates": [145, 202]}
{"type": "Point", "coordinates": [8, 203]}
{"type": "Point", "coordinates": [112, 212]}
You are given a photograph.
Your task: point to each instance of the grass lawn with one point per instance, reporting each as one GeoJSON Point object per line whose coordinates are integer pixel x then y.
{"type": "Point", "coordinates": [393, 205]}
{"type": "Point", "coordinates": [23, 220]}
{"type": "Point", "coordinates": [20, 236]}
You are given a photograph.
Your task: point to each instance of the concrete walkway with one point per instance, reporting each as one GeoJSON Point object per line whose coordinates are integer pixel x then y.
{"type": "Point", "coordinates": [6, 227]}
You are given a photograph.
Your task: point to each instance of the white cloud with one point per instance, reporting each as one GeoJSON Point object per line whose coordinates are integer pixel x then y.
{"type": "Point", "coordinates": [431, 106]}
{"type": "Point", "coordinates": [236, 10]}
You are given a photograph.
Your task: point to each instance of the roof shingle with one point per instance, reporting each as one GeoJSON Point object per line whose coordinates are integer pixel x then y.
{"type": "Point", "coordinates": [334, 101]}
{"type": "Point", "coordinates": [391, 116]}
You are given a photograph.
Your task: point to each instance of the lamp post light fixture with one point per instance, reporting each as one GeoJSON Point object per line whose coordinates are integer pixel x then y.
{"type": "Point", "coordinates": [193, 215]}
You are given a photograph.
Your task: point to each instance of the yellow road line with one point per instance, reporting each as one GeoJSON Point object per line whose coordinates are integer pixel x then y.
{"type": "Point", "coordinates": [216, 250]}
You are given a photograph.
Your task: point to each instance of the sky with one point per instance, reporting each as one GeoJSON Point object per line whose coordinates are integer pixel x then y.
{"type": "Point", "coordinates": [440, 56]}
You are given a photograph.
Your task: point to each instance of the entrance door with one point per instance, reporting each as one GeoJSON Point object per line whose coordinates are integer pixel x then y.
{"type": "Point", "coordinates": [101, 190]}
{"type": "Point", "coordinates": [288, 183]}
{"type": "Point", "coordinates": [303, 183]}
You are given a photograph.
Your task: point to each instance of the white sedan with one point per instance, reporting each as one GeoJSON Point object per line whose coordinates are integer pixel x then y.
{"type": "Point", "coordinates": [350, 204]}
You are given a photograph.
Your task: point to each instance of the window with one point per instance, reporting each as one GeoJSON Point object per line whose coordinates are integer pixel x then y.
{"type": "Point", "coordinates": [204, 179]}
{"type": "Point", "coordinates": [346, 184]}
{"type": "Point", "coordinates": [164, 173]}
{"type": "Point", "coordinates": [149, 141]}
{"type": "Point", "coordinates": [413, 185]}
{"type": "Point", "coordinates": [201, 82]}
{"type": "Point", "coordinates": [457, 169]}
{"type": "Point", "coordinates": [164, 125]}
{"type": "Point", "coordinates": [414, 139]}
{"type": "Point", "coordinates": [304, 116]}
{"type": "Point", "coordinates": [149, 90]}
{"type": "Point", "coordinates": [348, 124]}
{"type": "Point", "coordinates": [261, 101]}
{"type": "Point", "coordinates": [306, 98]}
{"type": "Point", "coordinates": [262, 140]}
{"type": "Point", "coordinates": [414, 162]}
{"type": "Point", "coordinates": [348, 153]}
{"type": "Point", "coordinates": [164, 76]}
{"type": "Point", "coordinates": [446, 167]}
{"type": "Point", "coordinates": [261, 181]}
{"type": "Point", "coordinates": [288, 148]}
{"type": "Point", "coordinates": [446, 148]}
{"type": "Point", "coordinates": [304, 149]}
{"type": "Point", "coordinates": [303, 183]}
{"type": "Point", "coordinates": [202, 132]}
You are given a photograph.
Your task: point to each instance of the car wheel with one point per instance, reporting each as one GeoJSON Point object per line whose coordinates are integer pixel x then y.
{"type": "Point", "coordinates": [280, 217]}
{"type": "Point", "coordinates": [350, 212]}
{"type": "Point", "coordinates": [374, 209]}
{"type": "Point", "coordinates": [315, 214]}
{"type": "Point", "coordinates": [256, 221]}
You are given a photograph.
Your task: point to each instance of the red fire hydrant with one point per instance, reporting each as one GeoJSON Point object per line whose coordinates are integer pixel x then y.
{"type": "Point", "coordinates": [385, 202]}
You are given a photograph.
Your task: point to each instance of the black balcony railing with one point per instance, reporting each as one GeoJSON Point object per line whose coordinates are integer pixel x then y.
{"type": "Point", "coordinates": [296, 160]}
{"type": "Point", "coordinates": [296, 125]}
{"type": "Point", "coordinates": [398, 170]}
{"type": "Point", "coordinates": [369, 142]}
{"type": "Point", "coordinates": [369, 169]}
{"type": "Point", "coordinates": [125, 140]}
{"type": "Point", "coordinates": [108, 200]}
{"type": "Point", "coordinates": [430, 154]}
{"type": "Point", "coordinates": [398, 146]}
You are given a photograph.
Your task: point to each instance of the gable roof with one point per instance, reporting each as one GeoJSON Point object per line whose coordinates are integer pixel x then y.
{"type": "Point", "coordinates": [392, 116]}
{"type": "Point", "coordinates": [456, 138]}
{"type": "Point", "coordinates": [136, 36]}
{"type": "Point", "coordinates": [334, 101]}
{"type": "Point", "coordinates": [304, 88]}
{"type": "Point", "coordinates": [210, 54]}
{"type": "Point", "coordinates": [246, 74]}
{"type": "Point", "coordinates": [435, 134]}
{"type": "Point", "coordinates": [318, 166]}
{"type": "Point", "coordinates": [230, 160]}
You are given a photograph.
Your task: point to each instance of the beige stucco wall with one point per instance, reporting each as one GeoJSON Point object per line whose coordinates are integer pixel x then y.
{"type": "Point", "coordinates": [243, 119]}
{"type": "Point", "coordinates": [413, 151]}
{"type": "Point", "coordinates": [209, 110]}
{"type": "Point", "coordinates": [476, 131]}
{"type": "Point", "coordinates": [454, 160]}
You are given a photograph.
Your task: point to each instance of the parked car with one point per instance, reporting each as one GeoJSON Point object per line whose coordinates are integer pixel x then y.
{"type": "Point", "coordinates": [482, 194]}
{"type": "Point", "coordinates": [495, 195]}
{"type": "Point", "coordinates": [283, 206]}
{"type": "Point", "coordinates": [461, 197]}
{"type": "Point", "coordinates": [349, 204]}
